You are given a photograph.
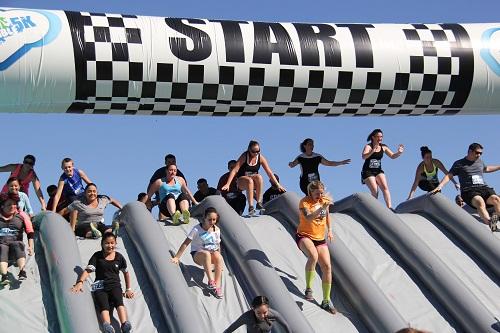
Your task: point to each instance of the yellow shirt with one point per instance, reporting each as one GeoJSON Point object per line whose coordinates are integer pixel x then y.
{"type": "Point", "coordinates": [316, 228]}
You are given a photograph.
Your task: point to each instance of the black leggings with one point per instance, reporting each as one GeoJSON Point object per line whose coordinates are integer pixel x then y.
{"type": "Point", "coordinates": [163, 205]}
{"type": "Point", "coordinates": [105, 299]}
{"type": "Point", "coordinates": [14, 248]}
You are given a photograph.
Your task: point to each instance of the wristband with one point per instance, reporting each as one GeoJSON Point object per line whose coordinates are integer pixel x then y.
{"type": "Point", "coordinates": [128, 289]}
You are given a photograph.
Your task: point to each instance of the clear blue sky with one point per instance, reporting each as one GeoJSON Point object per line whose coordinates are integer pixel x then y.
{"type": "Point", "coordinates": [119, 153]}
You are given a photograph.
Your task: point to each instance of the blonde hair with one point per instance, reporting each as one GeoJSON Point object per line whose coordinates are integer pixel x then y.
{"type": "Point", "coordinates": [314, 185]}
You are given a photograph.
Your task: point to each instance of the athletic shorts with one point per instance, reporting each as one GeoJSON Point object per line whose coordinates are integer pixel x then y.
{"type": "Point", "coordinates": [106, 299]}
{"type": "Point", "coordinates": [193, 253]}
{"type": "Point", "coordinates": [163, 204]}
{"type": "Point", "coordinates": [427, 186]}
{"type": "Point", "coordinates": [370, 173]}
{"type": "Point", "coordinates": [484, 192]}
{"type": "Point", "coordinates": [81, 229]}
{"type": "Point", "coordinates": [298, 239]}
{"type": "Point", "coordinates": [12, 250]}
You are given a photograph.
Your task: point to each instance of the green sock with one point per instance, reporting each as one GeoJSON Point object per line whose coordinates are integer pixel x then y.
{"type": "Point", "coordinates": [309, 278]}
{"type": "Point", "coordinates": [327, 288]}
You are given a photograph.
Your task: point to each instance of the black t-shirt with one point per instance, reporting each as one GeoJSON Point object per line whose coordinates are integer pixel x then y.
{"type": "Point", "coordinates": [162, 172]}
{"type": "Point", "coordinates": [107, 270]}
{"type": "Point", "coordinates": [270, 194]}
{"type": "Point", "coordinates": [309, 166]}
{"type": "Point", "coordinates": [200, 196]}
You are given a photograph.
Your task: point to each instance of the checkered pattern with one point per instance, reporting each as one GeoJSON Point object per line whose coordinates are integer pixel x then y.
{"type": "Point", "coordinates": [112, 80]}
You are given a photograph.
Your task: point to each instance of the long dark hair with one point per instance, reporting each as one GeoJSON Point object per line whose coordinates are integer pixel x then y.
{"type": "Point", "coordinates": [304, 143]}
{"type": "Point", "coordinates": [106, 235]}
{"type": "Point", "coordinates": [374, 132]}
{"type": "Point", "coordinates": [258, 301]}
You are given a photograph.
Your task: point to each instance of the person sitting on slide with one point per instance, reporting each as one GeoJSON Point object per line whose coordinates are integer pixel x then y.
{"type": "Point", "coordinates": [62, 206]}
{"type": "Point", "coordinates": [106, 288]}
{"type": "Point", "coordinates": [474, 190]}
{"type": "Point", "coordinates": [309, 162]}
{"type": "Point", "coordinates": [425, 179]}
{"type": "Point", "coordinates": [70, 185]}
{"type": "Point", "coordinates": [248, 178]}
{"type": "Point", "coordinates": [24, 204]}
{"type": "Point", "coordinates": [205, 249]}
{"type": "Point", "coordinates": [12, 226]}
{"type": "Point", "coordinates": [272, 192]}
{"type": "Point", "coordinates": [260, 319]}
{"type": "Point", "coordinates": [26, 174]}
{"type": "Point", "coordinates": [174, 196]}
{"type": "Point", "coordinates": [87, 214]}
{"type": "Point", "coordinates": [204, 190]}
{"type": "Point", "coordinates": [233, 195]}
{"type": "Point", "coordinates": [314, 222]}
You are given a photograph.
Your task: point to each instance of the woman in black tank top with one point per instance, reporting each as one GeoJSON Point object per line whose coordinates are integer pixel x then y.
{"type": "Point", "coordinates": [247, 175]}
{"type": "Point", "coordinates": [309, 163]}
{"type": "Point", "coordinates": [372, 174]}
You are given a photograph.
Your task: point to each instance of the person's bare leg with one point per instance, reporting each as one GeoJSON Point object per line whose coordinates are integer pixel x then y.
{"type": "Point", "coordinates": [384, 187]}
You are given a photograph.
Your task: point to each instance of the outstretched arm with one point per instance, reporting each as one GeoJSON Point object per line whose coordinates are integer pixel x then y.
{"type": "Point", "coordinates": [181, 250]}
{"type": "Point", "coordinates": [8, 168]}
{"type": "Point", "coordinates": [445, 171]}
{"type": "Point", "coordinates": [115, 203]}
{"type": "Point", "coordinates": [415, 181]}
{"type": "Point", "coordinates": [37, 186]}
{"type": "Point", "coordinates": [84, 177]}
{"type": "Point", "coordinates": [270, 174]}
{"type": "Point", "coordinates": [233, 172]}
{"type": "Point", "coordinates": [57, 196]}
{"type": "Point", "coordinates": [186, 190]}
{"type": "Point", "coordinates": [326, 162]}
{"type": "Point", "coordinates": [78, 286]}
{"type": "Point", "coordinates": [293, 163]}
{"type": "Point", "coordinates": [491, 168]}
{"type": "Point", "coordinates": [443, 182]}
{"type": "Point", "coordinates": [393, 155]}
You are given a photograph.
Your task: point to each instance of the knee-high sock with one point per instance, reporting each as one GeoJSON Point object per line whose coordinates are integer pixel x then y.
{"type": "Point", "coordinates": [327, 288]}
{"type": "Point", "coordinates": [309, 278]}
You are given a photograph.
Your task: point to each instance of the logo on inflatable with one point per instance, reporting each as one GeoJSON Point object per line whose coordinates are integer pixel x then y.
{"type": "Point", "coordinates": [21, 30]}
{"type": "Point", "coordinates": [490, 51]}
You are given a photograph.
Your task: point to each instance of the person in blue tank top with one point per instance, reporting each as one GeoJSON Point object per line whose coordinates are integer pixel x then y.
{"type": "Point", "coordinates": [174, 195]}
{"type": "Point", "coordinates": [426, 176]}
{"type": "Point", "coordinates": [248, 178]}
{"type": "Point", "coordinates": [372, 174]}
{"type": "Point", "coordinates": [70, 185]}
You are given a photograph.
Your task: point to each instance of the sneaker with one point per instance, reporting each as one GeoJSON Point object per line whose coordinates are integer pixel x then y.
{"type": "Point", "coordinates": [5, 280]}
{"type": "Point", "coordinates": [493, 222]}
{"type": "Point", "coordinates": [115, 226]}
{"type": "Point", "coordinates": [126, 327]}
{"type": "Point", "coordinates": [218, 293]}
{"type": "Point", "coordinates": [328, 307]}
{"type": "Point", "coordinates": [107, 328]}
{"type": "Point", "coordinates": [309, 294]}
{"type": "Point", "coordinates": [186, 215]}
{"type": "Point", "coordinates": [211, 285]}
{"type": "Point", "coordinates": [22, 275]}
{"type": "Point", "coordinates": [95, 232]}
{"type": "Point", "coordinates": [176, 217]}
{"type": "Point", "coordinates": [251, 211]}
{"type": "Point", "coordinates": [260, 207]}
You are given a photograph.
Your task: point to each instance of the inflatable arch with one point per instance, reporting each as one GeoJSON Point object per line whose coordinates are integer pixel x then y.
{"type": "Point", "coordinates": [81, 62]}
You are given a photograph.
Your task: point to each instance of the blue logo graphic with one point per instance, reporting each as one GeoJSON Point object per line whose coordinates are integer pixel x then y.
{"type": "Point", "coordinates": [488, 58]}
{"type": "Point", "coordinates": [12, 26]}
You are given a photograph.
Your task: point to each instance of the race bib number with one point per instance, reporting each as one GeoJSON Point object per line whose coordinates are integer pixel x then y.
{"type": "Point", "coordinates": [312, 176]}
{"type": "Point", "coordinates": [231, 195]}
{"type": "Point", "coordinates": [98, 285]}
{"type": "Point", "coordinates": [374, 164]}
{"type": "Point", "coordinates": [249, 173]}
{"type": "Point", "coordinates": [477, 180]}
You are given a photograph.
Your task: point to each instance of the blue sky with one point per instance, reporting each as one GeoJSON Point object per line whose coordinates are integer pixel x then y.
{"type": "Point", "coordinates": [119, 153]}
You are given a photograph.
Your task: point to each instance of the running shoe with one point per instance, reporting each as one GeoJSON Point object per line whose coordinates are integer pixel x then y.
{"type": "Point", "coordinates": [22, 275]}
{"type": "Point", "coordinates": [218, 293]}
{"type": "Point", "coordinates": [251, 211]}
{"type": "Point", "coordinates": [115, 226]}
{"type": "Point", "coordinates": [328, 307]}
{"type": "Point", "coordinates": [186, 215]}
{"type": "Point", "coordinates": [126, 327]}
{"type": "Point", "coordinates": [309, 294]}
{"type": "Point", "coordinates": [95, 232]}
{"type": "Point", "coordinates": [260, 207]}
{"type": "Point", "coordinates": [493, 222]}
{"type": "Point", "coordinates": [212, 285]}
{"type": "Point", "coordinates": [107, 328]}
{"type": "Point", "coordinates": [176, 218]}
{"type": "Point", "coordinates": [5, 280]}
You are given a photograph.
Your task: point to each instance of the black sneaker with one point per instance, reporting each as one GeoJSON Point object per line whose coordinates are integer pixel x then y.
{"type": "Point", "coordinates": [5, 280]}
{"type": "Point", "coordinates": [251, 211]}
{"type": "Point", "coordinates": [22, 275]}
{"type": "Point", "coordinates": [260, 207]}
{"type": "Point", "coordinates": [308, 294]}
{"type": "Point", "coordinates": [493, 222]}
{"type": "Point", "coordinates": [328, 307]}
{"type": "Point", "coordinates": [107, 328]}
{"type": "Point", "coordinates": [126, 327]}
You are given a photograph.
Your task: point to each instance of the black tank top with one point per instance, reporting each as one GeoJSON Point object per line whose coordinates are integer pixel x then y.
{"type": "Point", "coordinates": [309, 166]}
{"type": "Point", "coordinates": [246, 169]}
{"type": "Point", "coordinates": [374, 162]}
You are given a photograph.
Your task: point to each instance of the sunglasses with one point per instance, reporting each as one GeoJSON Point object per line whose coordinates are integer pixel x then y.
{"type": "Point", "coordinates": [255, 151]}
{"type": "Point", "coordinates": [478, 152]}
{"type": "Point", "coordinates": [29, 162]}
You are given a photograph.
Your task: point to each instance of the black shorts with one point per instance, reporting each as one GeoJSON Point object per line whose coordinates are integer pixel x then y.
{"type": "Point", "coordinates": [163, 204]}
{"type": "Point", "coordinates": [11, 250]}
{"type": "Point", "coordinates": [427, 185]}
{"type": "Point", "coordinates": [106, 299]}
{"type": "Point", "coordinates": [316, 243]}
{"type": "Point", "coordinates": [304, 182]}
{"type": "Point", "coordinates": [370, 173]}
{"type": "Point", "coordinates": [81, 229]}
{"type": "Point", "coordinates": [484, 192]}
